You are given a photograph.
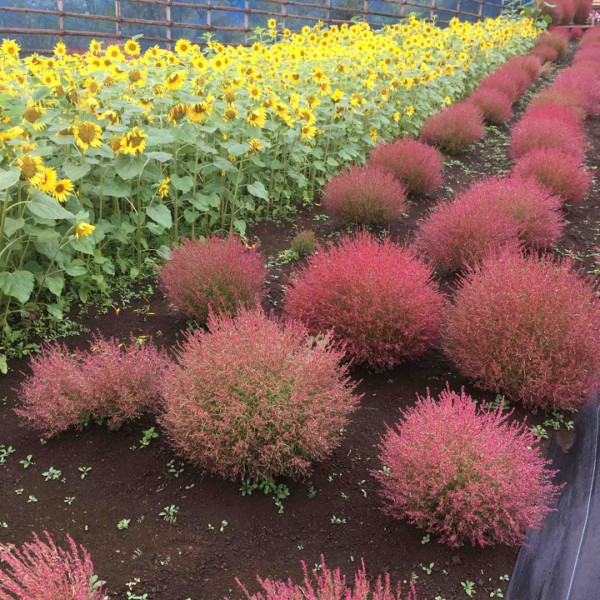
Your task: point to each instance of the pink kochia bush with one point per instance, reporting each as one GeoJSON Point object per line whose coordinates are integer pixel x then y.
{"type": "Point", "coordinates": [378, 299]}
{"type": "Point", "coordinates": [549, 126]}
{"type": "Point", "coordinates": [330, 585]}
{"type": "Point", "coordinates": [219, 275]}
{"type": "Point", "coordinates": [364, 195]}
{"type": "Point", "coordinates": [255, 397]}
{"type": "Point", "coordinates": [560, 173]}
{"type": "Point", "coordinates": [527, 327]}
{"type": "Point", "coordinates": [40, 570]}
{"type": "Point", "coordinates": [464, 473]}
{"type": "Point", "coordinates": [111, 381]}
{"type": "Point", "coordinates": [414, 164]}
{"type": "Point", "coordinates": [495, 105]}
{"type": "Point", "coordinates": [488, 216]}
{"type": "Point", "coordinates": [454, 128]}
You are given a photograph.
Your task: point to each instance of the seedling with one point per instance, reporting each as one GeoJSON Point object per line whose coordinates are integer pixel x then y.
{"type": "Point", "coordinates": [169, 513]}
{"type": "Point", "coordinates": [84, 471]}
{"type": "Point", "coordinates": [123, 524]}
{"type": "Point", "coordinates": [468, 587]}
{"type": "Point", "coordinates": [52, 474]}
{"type": "Point", "coordinates": [27, 462]}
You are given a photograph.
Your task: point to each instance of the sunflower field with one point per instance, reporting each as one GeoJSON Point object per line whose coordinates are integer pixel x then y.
{"type": "Point", "coordinates": [108, 155]}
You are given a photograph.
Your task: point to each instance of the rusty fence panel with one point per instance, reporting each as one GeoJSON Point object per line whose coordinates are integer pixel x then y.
{"type": "Point", "coordinates": [45, 22]}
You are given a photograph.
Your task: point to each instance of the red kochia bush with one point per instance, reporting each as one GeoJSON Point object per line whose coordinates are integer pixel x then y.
{"type": "Point", "coordinates": [40, 570]}
{"type": "Point", "coordinates": [215, 274]}
{"type": "Point", "coordinates": [582, 80]}
{"type": "Point", "coordinates": [414, 164]}
{"type": "Point", "coordinates": [561, 11]}
{"type": "Point", "coordinates": [548, 126]}
{"type": "Point", "coordinates": [560, 173]}
{"type": "Point", "coordinates": [561, 97]}
{"type": "Point", "coordinates": [489, 215]}
{"type": "Point", "coordinates": [454, 128]}
{"type": "Point", "coordinates": [112, 381]}
{"type": "Point", "coordinates": [465, 473]}
{"type": "Point", "coordinates": [529, 63]}
{"type": "Point", "coordinates": [513, 80]}
{"type": "Point", "coordinates": [364, 195]}
{"type": "Point", "coordinates": [545, 53]}
{"type": "Point", "coordinates": [378, 298]}
{"type": "Point", "coordinates": [255, 397]}
{"type": "Point", "coordinates": [330, 585]}
{"type": "Point", "coordinates": [555, 39]}
{"type": "Point", "coordinates": [529, 328]}
{"type": "Point", "coordinates": [494, 104]}
{"type": "Point", "coordinates": [583, 8]}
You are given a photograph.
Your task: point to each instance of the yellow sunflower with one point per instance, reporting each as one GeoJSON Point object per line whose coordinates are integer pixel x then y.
{"type": "Point", "coordinates": [47, 181]}
{"type": "Point", "coordinates": [88, 134]}
{"type": "Point", "coordinates": [31, 167]}
{"type": "Point", "coordinates": [163, 188]}
{"type": "Point", "coordinates": [62, 189]}
{"type": "Point", "coordinates": [134, 141]}
{"type": "Point", "coordinates": [132, 47]}
{"type": "Point", "coordinates": [83, 230]}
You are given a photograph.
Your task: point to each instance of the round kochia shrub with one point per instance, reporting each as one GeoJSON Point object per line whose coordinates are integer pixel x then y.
{"type": "Point", "coordinates": [329, 585]}
{"type": "Point", "coordinates": [110, 381]}
{"type": "Point", "coordinates": [378, 299]}
{"type": "Point", "coordinates": [546, 53]}
{"type": "Point", "coordinates": [364, 195]}
{"type": "Point", "coordinates": [219, 275]}
{"type": "Point", "coordinates": [41, 570]}
{"type": "Point", "coordinates": [489, 215]}
{"type": "Point", "coordinates": [254, 397]}
{"type": "Point", "coordinates": [548, 126]}
{"type": "Point", "coordinates": [558, 172]}
{"type": "Point", "coordinates": [414, 164]}
{"type": "Point", "coordinates": [495, 105]}
{"type": "Point", "coordinates": [529, 328]}
{"type": "Point", "coordinates": [464, 473]}
{"type": "Point", "coordinates": [454, 128]}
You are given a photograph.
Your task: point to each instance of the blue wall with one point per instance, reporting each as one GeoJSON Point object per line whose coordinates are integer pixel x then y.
{"type": "Point", "coordinates": [192, 16]}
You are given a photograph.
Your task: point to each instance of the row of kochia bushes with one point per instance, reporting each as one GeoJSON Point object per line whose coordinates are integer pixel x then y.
{"type": "Point", "coordinates": [257, 396]}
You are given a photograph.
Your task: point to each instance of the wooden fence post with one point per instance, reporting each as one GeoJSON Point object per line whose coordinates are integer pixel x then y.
{"type": "Point", "coordinates": [246, 22]}
{"type": "Point", "coordinates": [283, 14]}
{"type": "Point", "coordinates": [61, 20]}
{"type": "Point", "coordinates": [168, 18]}
{"type": "Point", "coordinates": [118, 24]}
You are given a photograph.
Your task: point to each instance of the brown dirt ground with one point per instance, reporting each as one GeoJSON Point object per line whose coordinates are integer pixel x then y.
{"type": "Point", "coordinates": [197, 557]}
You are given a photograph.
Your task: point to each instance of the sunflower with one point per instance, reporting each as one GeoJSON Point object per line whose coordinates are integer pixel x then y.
{"type": "Point", "coordinates": [10, 48]}
{"type": "Point", "coordinates": [83, 230]}
{"type": "Point", "coordinates": [31, 167]}
{"type": "Point", "coordinates": [60, 49]}
{"type": "Point", "coordinates": [183, 47]}
{"type": "Point", "coordinates": [132, 48]}
{"type": "Point", "coordinates": [257, 117]}
{"type": "Point", "coordinates": [95, 47]}
{"type": "Point", "coordinates": [88, 134]}
{"type": "Point", "coordinates": [175, 80]}
{"type": "Point", "coordinates": [337, 96]}
{"type": "Point", "coordinates": [62, 189]}
{"type": "Point", "coordinates": [113, 52]}
{"type": "Point", "coordinates": [197, 112]}
{"type": "Point", "coordinates": [307, 133]}
{"type": "Point", "coordinates": [177, 112]}
{"type": "Point", "coordinates": [271, 23]}
{"type": "Point", "coordinates": [92, 86]}
{"type": "Point", "coordinates": [410, 110]}
{"type": "Point", "coordinates": [47, 180]}
{"type": "Point", "coordinates": [163, 188]}
{"type": "Point", "coordinates": [134, 141]}
{"type": "Point", "coordinates": [255, 144]}
{"type": "Point", "coordinates": [230, 112]}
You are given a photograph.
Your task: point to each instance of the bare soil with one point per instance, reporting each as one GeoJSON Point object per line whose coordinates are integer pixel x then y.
{"type": "Point", "coordinates": [219, 534]}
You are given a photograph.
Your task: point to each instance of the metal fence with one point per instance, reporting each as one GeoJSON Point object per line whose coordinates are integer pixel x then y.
{"type": "Point", "coordinates": [37, 25]}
